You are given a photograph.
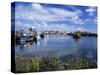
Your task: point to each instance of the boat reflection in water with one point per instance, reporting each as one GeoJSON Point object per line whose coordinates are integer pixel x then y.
{"type": "Point", "coordinates": [25, 41]}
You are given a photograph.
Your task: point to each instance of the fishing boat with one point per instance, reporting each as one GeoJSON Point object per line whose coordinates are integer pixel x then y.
{"type": "Point", "coordinates": [38, 37]}
{"type": "Point", "coordinates": [30, 39]}
{"type": "Point", "coordinates": [25, 38]}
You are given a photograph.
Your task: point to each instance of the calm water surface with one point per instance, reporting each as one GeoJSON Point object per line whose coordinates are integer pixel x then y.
{"type": "Point", "coordinates": [60, 46]}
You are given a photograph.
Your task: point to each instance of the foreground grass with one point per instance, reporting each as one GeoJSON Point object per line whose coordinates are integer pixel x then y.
{"type": "Point", "coordinates": [52, 63]}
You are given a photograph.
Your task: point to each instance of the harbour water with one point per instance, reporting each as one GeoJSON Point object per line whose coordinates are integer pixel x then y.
{"type": "Point", "coordinates": [59, 45]}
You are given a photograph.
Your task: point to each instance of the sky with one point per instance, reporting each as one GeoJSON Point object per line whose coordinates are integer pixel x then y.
{"type": "Point", "coordinates": [55, 17]}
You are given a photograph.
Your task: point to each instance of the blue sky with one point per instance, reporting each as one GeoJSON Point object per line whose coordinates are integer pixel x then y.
{"type": "Point", "coordinates": [55, 17]}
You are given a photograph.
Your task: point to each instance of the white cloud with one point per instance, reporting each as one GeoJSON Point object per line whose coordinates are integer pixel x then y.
{"type": "Point", "coordinates": [77, 20]}
{"type": "Point", "coordinates": [63, 13]}
{"type": "Point", "coordinates": [95, 20]}
{"type": "Point", "coordinates": [81, 29]}
{"type": "Point", "coordinates": [42, 26]}
{"type": "Point", "coordinates": [91, 13]}
{"type": "Point", "coordinates": [71, 28]}
{"type": "Point", "coordinates": [43, 14]}
{"type": "Point", "coordinates": [36, 6]}
{"type": "Point", "coordinates": [39, 8]}
{"type": "Point", "coordinates": [38, 12]}
{"type": "Point", "coordinates": [91, 10]}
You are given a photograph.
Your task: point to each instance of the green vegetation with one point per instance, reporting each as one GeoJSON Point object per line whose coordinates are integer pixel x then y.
{"type": "Point", "coordinates": [52, 63]}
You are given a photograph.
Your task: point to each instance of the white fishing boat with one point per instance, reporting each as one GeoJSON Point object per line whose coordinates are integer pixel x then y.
{"type": "Point", "coordinates": [38, 37]}
{"type": "Point", "coordinates": [24, 34]}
